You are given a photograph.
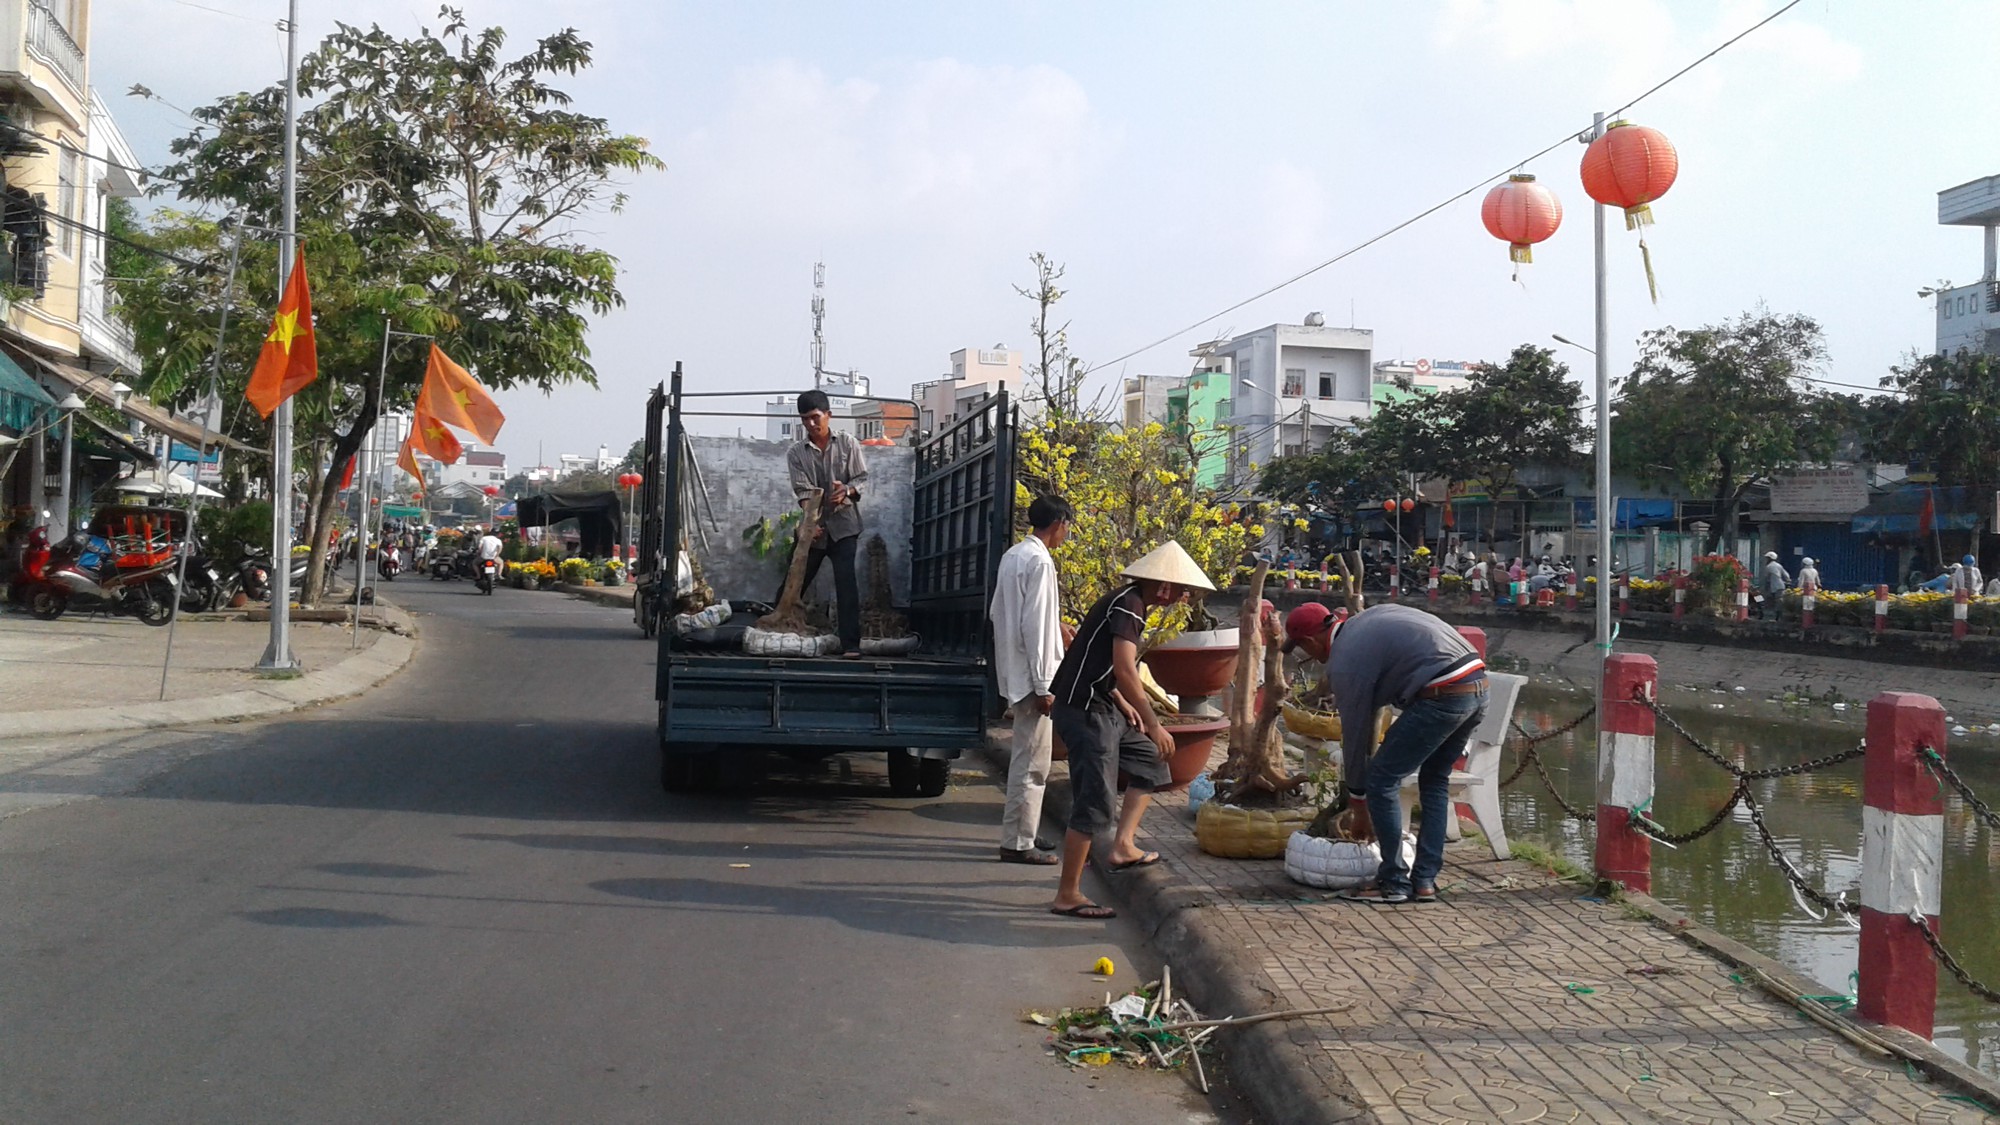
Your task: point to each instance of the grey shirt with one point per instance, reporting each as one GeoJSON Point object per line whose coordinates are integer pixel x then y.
{"type": "Point", "coordinates": [1382, 657]}
{"type": "Point", "coordinates": [815, 469]}
{"type": "Point", "coordinates": [1775, 578]}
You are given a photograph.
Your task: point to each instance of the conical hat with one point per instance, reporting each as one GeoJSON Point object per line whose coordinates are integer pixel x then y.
{"type": "Point", "coordinates": [1169, 562]}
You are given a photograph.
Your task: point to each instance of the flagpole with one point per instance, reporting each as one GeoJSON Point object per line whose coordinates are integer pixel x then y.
{"type": "Point", "coordinates": [278, 655]}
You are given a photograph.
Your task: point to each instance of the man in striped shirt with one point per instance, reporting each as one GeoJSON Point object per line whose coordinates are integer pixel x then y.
{"type": "Point", "coordinates": [1103, 716]}
{"type": "Point", "coordinates": [1400, 656]}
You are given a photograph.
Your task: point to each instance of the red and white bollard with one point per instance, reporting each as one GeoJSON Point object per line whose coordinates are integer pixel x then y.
{"type": "Point", "coordinates": [1474, 636]}
{"type": "Point", "coordinates": [1960, 622]}
{"type": "Point", "coordinates": [1569, 591]}
{"type": "Point", "coordinates": [1291, 578]}
{"type": "Point", "coordinates": [1881, 608]}
{"type": "Point", "coordinates": [1434, 586]}
{"type": "Point", "coordinates": [1395, 581]}
{"type": "Point", "coordinates": [1476, 588]}
{"type": "Point", "coordinates": [1808, 600]}
{"type": "Point", "coordinates": [1902, 851]}
{"type": "Point", "coordinates": [1680, 596]}
{"type": "Point", "coordinates": [1742, 599]}
{"type": "Point", "coordinates": [1624, 594]}
{"type": "Point", "coordinates": [1625, 770]}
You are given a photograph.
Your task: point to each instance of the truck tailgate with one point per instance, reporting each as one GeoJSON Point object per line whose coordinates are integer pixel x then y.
{"type": "Point", "coordinates": [825, 702]}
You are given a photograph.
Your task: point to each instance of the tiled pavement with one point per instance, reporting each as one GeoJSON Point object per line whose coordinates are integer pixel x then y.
{"type": "Point", "coordinates": [1516, 999]}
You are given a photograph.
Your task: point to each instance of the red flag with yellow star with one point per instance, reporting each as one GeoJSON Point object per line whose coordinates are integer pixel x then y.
{"type": "Point", "coordinates": [406, 458]}
{"type": "Point", "coordinates": [435, 439]}
{"type": "Point", "coordinates": [452, 395]}
{"type": "Point", "coordinates": [289, 360]}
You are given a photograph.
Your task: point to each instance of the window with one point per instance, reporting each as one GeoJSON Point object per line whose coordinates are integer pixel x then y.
{"type": "Point", "coordinates": [1292, 449]}
{"type": "Point", "coordinates": [66, 177]}
{"type": "Point", "coordinates": [1325, 385]}
{"type": "Point", "coordinates": [785, 429]}
{"type": "Point", "coordinates": [1295, 382]}
{"type": "Point", "coordinates": [1225, 409]}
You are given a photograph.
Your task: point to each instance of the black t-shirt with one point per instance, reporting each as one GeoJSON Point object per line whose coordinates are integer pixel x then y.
{"type": "Point", "coordinates": [1086, 667]}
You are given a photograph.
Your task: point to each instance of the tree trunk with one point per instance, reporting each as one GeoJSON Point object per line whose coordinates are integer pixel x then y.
{"type": "Point", "coordinates": [790, 616]}
{"type": "Point", "coordinates": [326, 488]}
{"type": "Point", "coordinates": [1256, 762]}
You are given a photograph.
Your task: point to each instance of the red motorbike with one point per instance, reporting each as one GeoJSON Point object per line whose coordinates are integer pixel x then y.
{"type": "Point", "coordinates": [142, 586]}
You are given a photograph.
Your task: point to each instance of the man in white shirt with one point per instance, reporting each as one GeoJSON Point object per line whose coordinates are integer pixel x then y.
{"type": "Point", "coordinates": [489, 546]}
{"type": "Point", "coordinates": [1027, 648]}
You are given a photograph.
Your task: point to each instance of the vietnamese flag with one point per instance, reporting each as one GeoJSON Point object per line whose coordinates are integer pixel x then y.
{"type": "Point", "coordinates": [289, 360]}
{"type": "Point", "coordinates": [1926, 515]}
{"type": "Point", "coordinates": [347, 478]}
{"type": "Point", "coordinates": [406, 458]}
{"type": "Point", "coordinates": [435, 439]}
{"type": "Point", "coordinates": [453, 396]}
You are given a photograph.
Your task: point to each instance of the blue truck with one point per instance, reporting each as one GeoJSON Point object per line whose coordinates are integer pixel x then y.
{"type": "Point", "coordinates": [720, 708]}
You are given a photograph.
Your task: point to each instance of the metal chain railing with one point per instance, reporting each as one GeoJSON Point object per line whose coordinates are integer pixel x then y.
{"type": "Point", "coordinates": [1809, 766]}
{"type": "Point", "coordinates": [1528, 741]}
{"type": "Point", "coordinates": [1659, 831]}
{"type": "Point", "coordinates": [1944, 957]}
{"type": "Point", "coordinates": [1806, 892]}
{"type": "Point", "coordinates": [1934, 762]}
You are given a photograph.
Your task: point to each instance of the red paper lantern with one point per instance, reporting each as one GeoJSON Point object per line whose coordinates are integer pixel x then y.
{"type": "Point", "coordinates": [1521, 212]}
{"type": "Point", "coordinates": [1409, 504]}
{"type": "Point", "coordinates": [1629, 167]}
{"type": "Point", "coordinates": [490, 490]}
{"type": "Point", "coordinates": [1388, 505]}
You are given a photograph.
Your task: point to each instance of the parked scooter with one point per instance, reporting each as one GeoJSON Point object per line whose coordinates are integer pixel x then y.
{"type": "Point", "coordinates": [145, 592]}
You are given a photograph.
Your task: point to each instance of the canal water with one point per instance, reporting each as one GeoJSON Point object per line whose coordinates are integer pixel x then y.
{"type": "Point", "coordinates": [1728, 880]}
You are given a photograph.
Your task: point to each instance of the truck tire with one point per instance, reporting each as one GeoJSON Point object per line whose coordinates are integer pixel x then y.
{"type": "Point", "coordinates": [911, 775]}
{"type": "Point", "coordinates": [933, 776]}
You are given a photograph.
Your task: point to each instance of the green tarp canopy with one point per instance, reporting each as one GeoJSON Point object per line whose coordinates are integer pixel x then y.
{"type": "Point", "coordinates": [401, 511]}
{"type": "Point", "coordinates": [22, 400]}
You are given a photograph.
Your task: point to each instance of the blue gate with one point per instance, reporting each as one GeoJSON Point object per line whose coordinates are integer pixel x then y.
{"type": "Point", "coordinates": [1845, 560]}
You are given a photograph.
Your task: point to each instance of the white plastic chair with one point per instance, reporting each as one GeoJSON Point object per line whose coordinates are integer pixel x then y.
{"type": "Point", "coordinates": [1477, 782]}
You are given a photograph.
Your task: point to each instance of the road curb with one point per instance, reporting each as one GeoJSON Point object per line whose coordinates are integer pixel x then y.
{"type": "Point", "coordinates": [1265, 1065]}
{"type": "Point", "coordinates": [343, 680]}
{"type": "Point", "coordinates": [618, 597]}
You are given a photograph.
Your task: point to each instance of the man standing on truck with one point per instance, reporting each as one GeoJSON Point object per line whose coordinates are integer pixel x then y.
{"type": "Point", "coordinates": [1027, 649]}
{"type": "Point", "coordinates": [830, 464]}
{"type": "Point", "coordinates": [1104, 718]}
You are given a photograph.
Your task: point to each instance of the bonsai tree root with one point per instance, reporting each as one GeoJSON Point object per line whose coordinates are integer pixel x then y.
{"type": "Point", "coordinates": [790, 616]}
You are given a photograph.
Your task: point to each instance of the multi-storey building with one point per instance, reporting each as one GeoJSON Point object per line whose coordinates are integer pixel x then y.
{"type": "Point", "coordinates": [976, 375]}
{"type": "Point", "coordinates": [1968, 316]}
{"type": "Point", "coordinates": [1291, 386]}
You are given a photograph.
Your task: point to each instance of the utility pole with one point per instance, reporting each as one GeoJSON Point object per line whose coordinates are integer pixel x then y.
{"type": "Point", "coordinates": [819, 321]}
{"type": "Point", "coordinates": [1604, 505]}
{"type": "Point", "coordinates": [278, 655]}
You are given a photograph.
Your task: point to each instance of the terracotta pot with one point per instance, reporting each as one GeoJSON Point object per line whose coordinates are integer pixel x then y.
{"type": "Point", "coordinates": [1193, 741]}
{"type": "Point", "coordinates": [1200, 663]}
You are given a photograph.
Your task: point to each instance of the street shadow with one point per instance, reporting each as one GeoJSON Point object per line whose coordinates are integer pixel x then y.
{"type": "Point", "coordinates": [871, 907]}
{"type": "Point", "coordinates": [320, 918]}
{"type": "Point", "coordinates": [926, 849]}
{"type": "Point", "coordinates": [380, 870]}
{"type": "Point", "coordinates": [985, 814]}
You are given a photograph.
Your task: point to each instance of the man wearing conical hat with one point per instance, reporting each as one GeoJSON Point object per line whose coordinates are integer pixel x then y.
{"type": "Point", "coordinates": [1102, 715]}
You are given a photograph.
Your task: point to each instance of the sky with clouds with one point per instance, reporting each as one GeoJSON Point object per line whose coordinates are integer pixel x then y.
{"type": "Point", "coordinates": [1179, 157]}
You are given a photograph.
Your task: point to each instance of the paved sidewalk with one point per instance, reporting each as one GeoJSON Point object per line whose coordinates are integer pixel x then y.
{"type": "Point", "coordinates": [1516, 999]}
{"type": "Point", "coordinates": [83, 674]}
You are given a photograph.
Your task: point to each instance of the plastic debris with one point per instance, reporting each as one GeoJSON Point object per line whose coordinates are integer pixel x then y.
{"type": "Point", "coordinates": [1575, 989]}
{"type": "Point", "coordinates": [1104, 967]}
{"type": "Point", "coordinates": [1131, 1006]}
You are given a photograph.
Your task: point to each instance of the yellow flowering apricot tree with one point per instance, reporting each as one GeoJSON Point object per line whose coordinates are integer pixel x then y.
{"type": "Point", "coordinates": [1132, 490]}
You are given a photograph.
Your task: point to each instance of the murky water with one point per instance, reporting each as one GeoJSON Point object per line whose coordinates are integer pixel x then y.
{"type": "Point", "coordinates": [1728, 880]}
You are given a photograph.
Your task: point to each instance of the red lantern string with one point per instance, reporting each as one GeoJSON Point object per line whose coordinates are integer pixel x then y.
{"type": "Point", "coordinates": [1629, 166]}
{"type": "Point", "coordinates": [1521, 212]}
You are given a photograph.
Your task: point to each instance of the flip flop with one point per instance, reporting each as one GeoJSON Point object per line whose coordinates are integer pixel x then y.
{"type": "Point", "coordinates": [1147, 860]}
{"type": "Point", "coordinates": [1087, 910]}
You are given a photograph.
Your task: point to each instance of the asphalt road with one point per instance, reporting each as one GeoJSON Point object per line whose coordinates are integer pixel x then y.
{"type": "Point", "coordinates": [465, 898]}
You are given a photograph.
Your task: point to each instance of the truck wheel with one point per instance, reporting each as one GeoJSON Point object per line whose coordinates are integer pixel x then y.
{"type": "Point", "coordinates": [933, 775]}
{"type": "Point", "coordinates": [905, 774]}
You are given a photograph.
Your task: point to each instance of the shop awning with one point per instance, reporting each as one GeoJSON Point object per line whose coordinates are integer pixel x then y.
{"type": "Point", "coordinates": [148, 414]}
{"type": "Point", "coordinates": [107, 442]}
{"type": "Point", "coordinates": [22, 400]}
{"type": "Point", "coordinates": [1901, 512]}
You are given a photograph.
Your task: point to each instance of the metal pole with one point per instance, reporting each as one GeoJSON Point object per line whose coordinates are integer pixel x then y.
{"type": "Point", "coordinates": [278, 655]}
{"type": "Point", "coordinates": [214, 383]}
{"type": "Point", "coordinates": [361, 551]}
{"type": "Point", "coordinates": [1604, 505]}
{"type": "Point", "coordinates": [65, 504]}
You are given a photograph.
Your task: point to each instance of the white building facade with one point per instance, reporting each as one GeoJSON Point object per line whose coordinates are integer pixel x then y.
{"type": "Point", "coordinates": [781, 414]}
{"type": "Point", "coordinates": [1146, 398]}
{"type": "Point", "coordinates": [977, 374]}
{"type": "Point", "coordinates": [1968, 316]}
{"type": "Point", "coordinates": [1291, 387]}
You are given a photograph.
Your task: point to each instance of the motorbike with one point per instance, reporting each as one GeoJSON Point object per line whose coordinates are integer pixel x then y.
{"type": "Point", "coordinates": [389, 561]}
{"type": "Point", "coordinates": [444, 566]}
{"type": "Point", "coordinates": [489, 574]}
{"type": "Point", "coordinates": [76, 569]}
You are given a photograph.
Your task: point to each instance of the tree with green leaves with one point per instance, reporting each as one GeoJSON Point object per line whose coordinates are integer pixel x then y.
{"type": "Point", "coordinates": [440, 184]}
{"type": "Point", "coordinates": [1946, 418]}
{"type": "Point", "coordinates": [1718, 410]}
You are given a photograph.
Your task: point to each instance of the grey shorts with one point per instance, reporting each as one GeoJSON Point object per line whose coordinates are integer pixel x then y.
{"type": "Point", "coordinates": [1101, 743]}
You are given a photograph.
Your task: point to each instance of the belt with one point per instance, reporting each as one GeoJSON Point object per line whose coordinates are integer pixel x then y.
{"type": "Point", "coordinates": [1461, 687]}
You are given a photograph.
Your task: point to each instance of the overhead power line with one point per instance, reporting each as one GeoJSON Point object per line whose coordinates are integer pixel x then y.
{"type": "Point", "coordinates": [1435, 208]}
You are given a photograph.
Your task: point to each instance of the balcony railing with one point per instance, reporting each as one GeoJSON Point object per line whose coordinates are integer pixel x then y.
{"type": "Point", "coordinates": [52, 44]}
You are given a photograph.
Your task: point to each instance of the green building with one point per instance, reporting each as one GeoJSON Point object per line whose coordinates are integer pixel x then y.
{"type": "Point", "coordinates": [1200, 408]}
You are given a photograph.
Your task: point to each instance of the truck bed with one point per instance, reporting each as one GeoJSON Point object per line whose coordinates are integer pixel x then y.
{"type": "Point", "coordinates": [823, 703]}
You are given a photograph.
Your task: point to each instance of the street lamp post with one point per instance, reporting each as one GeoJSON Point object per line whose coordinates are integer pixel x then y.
{"type": "Point", "coordinates": [64, 504]}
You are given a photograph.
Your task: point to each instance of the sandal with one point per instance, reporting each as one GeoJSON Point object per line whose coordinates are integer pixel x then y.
{"type": "Point", "coordinates": [1031, 856]}
{"type": "Point", "coordinates": [1147, 860]}
{"type": "Point", "coordinates": [1089, 910]}
{"type": "Point", "coordinates": [1375, 896]}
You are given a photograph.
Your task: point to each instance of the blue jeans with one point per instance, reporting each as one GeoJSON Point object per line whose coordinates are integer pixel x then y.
{"type": "Point", "coordinates": [1425, 740]}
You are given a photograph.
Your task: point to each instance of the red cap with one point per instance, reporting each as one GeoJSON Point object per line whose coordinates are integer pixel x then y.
{"type": "Point", "coordinates": [1308, 620]}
